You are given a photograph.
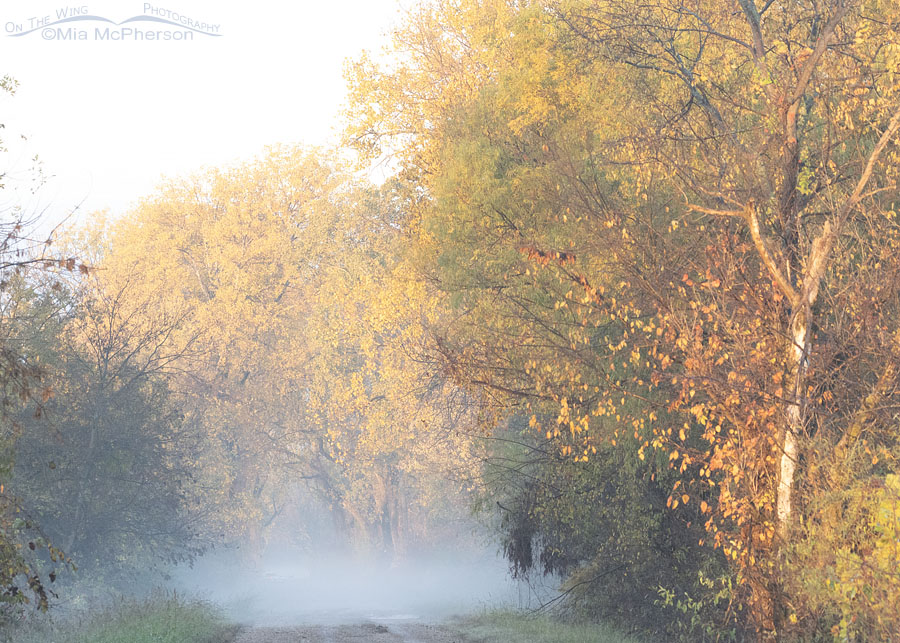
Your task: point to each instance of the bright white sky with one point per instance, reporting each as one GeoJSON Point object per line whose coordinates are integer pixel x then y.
{"type": "Point", "coordinates": [110, 118]}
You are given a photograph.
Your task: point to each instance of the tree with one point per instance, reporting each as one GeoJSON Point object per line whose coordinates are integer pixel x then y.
{"type": "Point", "coordinates": [22, 255]}
{"type": "Point", "coordinates": [695, 182]}
{"type": "Point", "coordinates": [751, 120]}
{"type": "Point", "coordinates": [285, 268]}
{"type": "Point", "coordinates": [504, 234]}
{"type": "Point", "coordinates": [108, 473]}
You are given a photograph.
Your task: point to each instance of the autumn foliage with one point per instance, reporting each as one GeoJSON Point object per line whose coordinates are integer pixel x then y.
{"type": "Point", "coordinates": [632, 289]}
{"type": "Point", "coordinates": [675, 225]}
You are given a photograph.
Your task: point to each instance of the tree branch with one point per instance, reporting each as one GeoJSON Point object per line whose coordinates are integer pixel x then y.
{"type": "Point", "coordinates": [822, 43]}
{"type": "Point", "coordinates": [762, 246]}
{"type": "Point", "coordinates": [824, 243]}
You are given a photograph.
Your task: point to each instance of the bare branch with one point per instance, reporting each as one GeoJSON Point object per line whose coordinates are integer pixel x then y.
{"type": "Point", "coordinates": [719, 213]}
{"type": "Point", "coordinates": [824, 243]}
{"type": "Point", "coordinates": [822, 43]}
{"type": "Point", "coordinates": [762, 247]}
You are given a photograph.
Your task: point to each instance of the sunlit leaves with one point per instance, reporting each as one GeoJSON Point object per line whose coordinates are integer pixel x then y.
{"type": "Point", "coordinates": [623, 205]}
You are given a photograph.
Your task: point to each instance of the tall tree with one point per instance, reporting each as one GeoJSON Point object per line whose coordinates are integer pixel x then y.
{"type": "Point", "coordinates": [285, 267]}
{"type": "Point", "coordinates": [722, 206]}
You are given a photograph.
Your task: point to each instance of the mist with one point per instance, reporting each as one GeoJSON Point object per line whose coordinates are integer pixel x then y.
{"type": "Point", "coordinates": [290, 587]}
{"type": "Point", "coordinates": [309, 568]}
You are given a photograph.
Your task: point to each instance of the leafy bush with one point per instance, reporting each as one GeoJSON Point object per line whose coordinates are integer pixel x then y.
{"type": "Point", "coordinates": [849, 563]}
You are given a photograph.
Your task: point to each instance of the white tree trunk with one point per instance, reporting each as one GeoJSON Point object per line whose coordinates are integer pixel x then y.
{"type": "Point", "coordinates": [797, 362]}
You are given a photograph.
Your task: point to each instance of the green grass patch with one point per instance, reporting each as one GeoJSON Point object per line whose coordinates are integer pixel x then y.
{"type": "Point", "coordinates": [502, 626]}
{"type": "Point", "coordinates": [159, 619]}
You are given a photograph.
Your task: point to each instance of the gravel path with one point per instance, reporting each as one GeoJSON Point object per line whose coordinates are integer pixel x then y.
{"type": "Point", "coordinates": [357, 633]}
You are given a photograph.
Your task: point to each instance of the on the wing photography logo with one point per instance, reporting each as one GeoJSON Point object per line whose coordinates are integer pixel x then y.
{"type": "Point", "coordinates": [75, 24]}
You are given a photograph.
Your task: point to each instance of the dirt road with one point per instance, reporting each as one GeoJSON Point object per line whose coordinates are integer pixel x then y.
{"type": "Point", "coordinates": [393, 632]}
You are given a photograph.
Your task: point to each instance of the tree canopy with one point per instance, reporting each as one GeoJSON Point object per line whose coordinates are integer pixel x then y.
{"type": "Point", "coordinates": [674, 224]}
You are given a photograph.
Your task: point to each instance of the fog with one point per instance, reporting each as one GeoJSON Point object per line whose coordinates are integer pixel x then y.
{"type": "Point", "coordinates": [289, 587]}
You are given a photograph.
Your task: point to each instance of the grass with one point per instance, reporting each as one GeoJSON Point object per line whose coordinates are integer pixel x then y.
{"type": "Point", "coordinates": [502, 626]}
{"type": "Point", "coordinates": [159, 619]}
{"type": "Point", "coordinates": [172, 619]}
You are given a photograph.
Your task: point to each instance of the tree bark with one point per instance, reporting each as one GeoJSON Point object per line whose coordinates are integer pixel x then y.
{"type": "Point", "coordinates": [797, 370]}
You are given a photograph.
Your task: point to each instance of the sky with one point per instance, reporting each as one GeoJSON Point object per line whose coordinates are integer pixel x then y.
{"type": "Point", "coordinates": [109, 117]}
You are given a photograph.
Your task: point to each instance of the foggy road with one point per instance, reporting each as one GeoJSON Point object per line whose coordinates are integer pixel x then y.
{"type": "Point", "coordinates": [375, 632]}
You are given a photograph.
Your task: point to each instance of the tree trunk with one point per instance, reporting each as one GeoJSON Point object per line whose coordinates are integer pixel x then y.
{"type": "Point", "coordinates": [797, 371]}
{"type": "Point", "coordinates": [82, 491]}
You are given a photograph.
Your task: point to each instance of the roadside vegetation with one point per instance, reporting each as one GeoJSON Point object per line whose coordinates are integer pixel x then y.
{"type": "Point", "coordinates": [507, 626]}
{"type": "Point", "coordinates": [159, 619]}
